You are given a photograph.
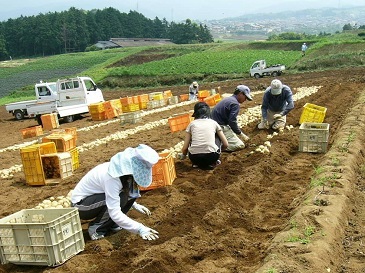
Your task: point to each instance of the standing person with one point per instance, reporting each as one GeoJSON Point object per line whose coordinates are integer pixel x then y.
{"type": "Point", "coordinates": [193, 91]}
{"type": "Point", "coordinates": [277, 102]}
{"type": "Point", "coordinates": [204, 139]}
{"type": "Point", "coordinates": [108, 191]}
{"type": "Point", "coordinates": [225, 114]}
{"type": "Point", "coordinates": [304, 48]}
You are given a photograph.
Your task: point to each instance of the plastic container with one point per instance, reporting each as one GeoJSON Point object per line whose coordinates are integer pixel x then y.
{"type": "Point", "coordinates": [153, 104]}
{"type": "Point", "coordinates": [143, 98]}
{"type": "Point", "coordinates": [312, 113]}
{"type": "Point", "coordinates": [96, 108]}
{"type": "Point", "coordinates": [179, 122]}
{"type": "Point", "coordinates": [32, 163]}
{"type": "Point", "coordinates": [45, 237]}
{"type": "Point", "coordinates": [210, 101]}
{"type": "Point", "coordinates": [173, 100]}
{"type": "Point", "coordinates": [313, 137]}
{"type": "Point", "coordinates": [32, 131]}
{"type": "Point", "coordinates": [98, 116]}
{"type": "Point", "coordinates": [203, 93]}
{"type": "Point", "coordinates": [110, 112]}
{"type": "Point", "coordinates": [132, 117]}
{"type": "Point", "coordinates": [184, 97]}
{"type": "Point", "coordinates": [56, 167]}
{"type": "Point", "coordinates": [163, 172]}
{"type": "Point", "coordinates": [50, 121]}
{"type": "Point", "coordinates": [64, 142]}
{"type": "Point", "coordinates": [130, 107]}
{"type": "Point", "coordinates": [126, 100]}
{"type": "Point", "coordinates": [75, 158]}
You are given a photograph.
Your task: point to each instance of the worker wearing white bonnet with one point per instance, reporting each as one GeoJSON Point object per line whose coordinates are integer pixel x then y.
{"type": "Point", "coordinates": [108, 191]}
{"type": "Point", "coordinates": [277, 102]}
{"type": "Point", "coordinates": [193, 91]}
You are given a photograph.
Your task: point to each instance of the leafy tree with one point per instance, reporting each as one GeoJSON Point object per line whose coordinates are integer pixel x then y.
{"type": "Point", "coordinates": [347, 27]}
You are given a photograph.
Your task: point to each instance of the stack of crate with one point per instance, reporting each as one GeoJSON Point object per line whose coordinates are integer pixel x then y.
{"type": "Point", "coordinates": [110, 111]}
{"type": "Point", "coordinates": [129, 104]}
{"type": "Point", "coordinates": [163, 172]}
{"type": "Point", "coordinates": [117, 107]}
{"type": "Point", "coordinates": [43, 165]}
{"type": "Point", "coordinates": [142, 101]}
{"type": "Point", "coordinates": [212, 100]}
{"type": "Point", "coordinates": [313, 133]}
{"type": "Point", "coordinates": [97, 111]}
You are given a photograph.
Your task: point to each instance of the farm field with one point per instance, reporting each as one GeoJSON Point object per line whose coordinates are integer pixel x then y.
{"type": "Point", "coordinates": [255, 213]}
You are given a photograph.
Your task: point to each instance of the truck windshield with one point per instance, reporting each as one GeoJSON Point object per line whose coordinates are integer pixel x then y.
{"type": "Point", "coordinates": [90, 86]}
{"type": "Point", "coordinates": [53, 87]}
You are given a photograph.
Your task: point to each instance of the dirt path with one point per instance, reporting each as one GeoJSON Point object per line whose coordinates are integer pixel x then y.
{"type": "Point", "coordinates": [239, 217]}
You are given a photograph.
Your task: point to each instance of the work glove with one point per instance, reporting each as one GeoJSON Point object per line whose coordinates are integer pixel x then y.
{"type": "Point", "coordinates": [141, 209]}
{"type": "Point", "coordinates": [277, 116]}
{"type": "Point", "coordinates": [181, 156]}
{"type": "Point", "coordinates": [148, 233]}
{"type": "Point", "coordinates": [243, 137]}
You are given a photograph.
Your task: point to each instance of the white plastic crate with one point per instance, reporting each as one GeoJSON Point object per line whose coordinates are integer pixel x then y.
{"type": "Point", "coordinates": [46, 237]}
{"type": "Point", "coordinates": [131, 117]}
{"type": "Point", "coordinates": [313, 137]}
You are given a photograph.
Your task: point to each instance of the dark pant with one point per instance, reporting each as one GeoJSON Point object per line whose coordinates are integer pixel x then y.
{"type": "Point", "coordinates": [94, 207]}
{"type": "Point", "coordinates": [204, 161]}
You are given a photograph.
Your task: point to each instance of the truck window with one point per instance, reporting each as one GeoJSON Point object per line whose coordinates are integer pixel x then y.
{"type": "Point", "coordinates": [43, 91]}
{"type": "Point", "coordinates": [90, 86]}
{"type": "Point", "coordinates": [76, 84]}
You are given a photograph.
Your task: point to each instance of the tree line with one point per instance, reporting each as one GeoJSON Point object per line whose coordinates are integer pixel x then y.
{"type": "Point", "coordinates": [76, 29]}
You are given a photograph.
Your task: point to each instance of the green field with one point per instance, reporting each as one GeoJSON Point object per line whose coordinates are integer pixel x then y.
{"type": "Point", "coordinates": [146, 67]}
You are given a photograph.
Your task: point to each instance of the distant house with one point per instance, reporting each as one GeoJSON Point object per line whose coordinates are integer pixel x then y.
{"type": "Point", "coordinates": [106, 44]}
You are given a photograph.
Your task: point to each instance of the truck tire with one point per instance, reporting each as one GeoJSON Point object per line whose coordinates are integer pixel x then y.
{"type": "Point", "coordinates": [39, 120]}
{"type": "Point", "coordinates": [275, 74]}
{"type": "Point", "coordinates": [19, 114]}
{"type": "Point", "coordinates": [257, 75]}
{"type": "Point", "coordinates": [68, 119]}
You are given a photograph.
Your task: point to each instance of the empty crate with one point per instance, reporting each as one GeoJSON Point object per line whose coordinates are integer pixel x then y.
{"type": "Point", "coordinates": [163, 172]}
{"type": "Point", "coordinates": [312, 113]}
{"type": "Point", "coordinates": [50, 121]}
{"type": "Point", "coordinates": [179, 122]}
{"type": "Point", "coordinates": [32, 131]}
{"type": "Point", "coordinates": [132, 117]}
{"type": "Point", "coordinates": [46, 237]}
{"type": "Point", "coordinates": [313, 137]}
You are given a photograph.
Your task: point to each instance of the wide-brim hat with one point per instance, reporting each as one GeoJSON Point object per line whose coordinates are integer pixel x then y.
{"type": "Point", "coordinates": [137, 162]}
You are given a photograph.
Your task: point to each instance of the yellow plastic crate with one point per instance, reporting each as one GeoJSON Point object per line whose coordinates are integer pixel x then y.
{"type": "Point", "coordinates": [64, 142]}
{"type": "Point", "coordinates": [130, 107]}
{"type": "Point", "coordinates": [75, 158]}
{"type": "Point", "coordinates": [96, 108]}
{"type": "Point", "coordinates": [312, 113]}
{"type": "Point", "coordinates": [179, 122]}
{"type": "Point", "coordinates": [163, 172]}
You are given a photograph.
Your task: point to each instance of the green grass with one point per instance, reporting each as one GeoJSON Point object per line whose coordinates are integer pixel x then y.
{"type": "Point", "coordinates": [146, 67]}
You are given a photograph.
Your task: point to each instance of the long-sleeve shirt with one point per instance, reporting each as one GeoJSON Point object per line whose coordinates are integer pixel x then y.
{"type": "Point", "coordinates": [97, 180]}
{"type": "Point", "coordinates": [282, 103]}
{"type": "Point", "coordinates": [226, 112]}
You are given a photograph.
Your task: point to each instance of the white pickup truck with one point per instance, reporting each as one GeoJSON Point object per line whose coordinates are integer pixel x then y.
{"type": "Point", "coordinates": [259, 69]}
{"type": "Point", "coordinates": [67, 98]}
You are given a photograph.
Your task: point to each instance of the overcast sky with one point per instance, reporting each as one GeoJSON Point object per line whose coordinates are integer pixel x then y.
{"type": "Point", "coordinates": [172, 10]}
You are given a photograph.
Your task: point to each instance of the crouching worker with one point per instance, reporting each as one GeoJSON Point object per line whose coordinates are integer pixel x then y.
{"type": "Point", "coordinates": [108, 191]}
{"type": "Point", "coordinates": [277, 102]}
{"type": "Point", "coordinates": [204, 139]}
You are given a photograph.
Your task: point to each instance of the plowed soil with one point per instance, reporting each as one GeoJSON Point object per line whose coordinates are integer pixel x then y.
{"type": "Point", "coordinates": [253, 213]}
